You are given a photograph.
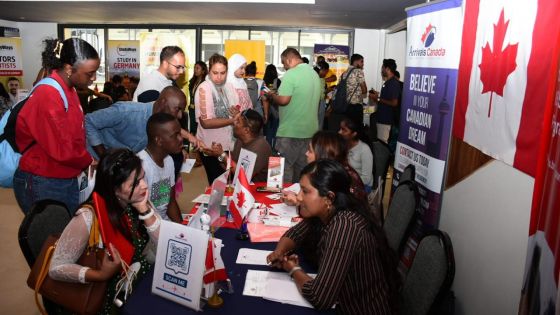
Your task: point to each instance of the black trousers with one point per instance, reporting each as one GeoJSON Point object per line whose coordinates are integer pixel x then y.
{"type": "Point", "coordinates": [356, 113]}
{"type": "Point", "coordinates": [212, 166]}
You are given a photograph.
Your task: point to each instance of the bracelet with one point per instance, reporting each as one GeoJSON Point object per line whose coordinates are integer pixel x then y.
{"type": "Point", "coordinates": [222, 157]}
{"type": "Point", "coordinates": [291, 273]}
{"type": "Point", "coordinates": [146, 215]}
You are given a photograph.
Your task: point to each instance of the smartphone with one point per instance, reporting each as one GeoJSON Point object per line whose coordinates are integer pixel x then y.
{"type": "Point", "coordinates": [269, 189]}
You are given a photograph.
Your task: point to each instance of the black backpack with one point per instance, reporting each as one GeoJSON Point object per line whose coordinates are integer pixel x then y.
{"type": "Point", "coordinates": [340, 100]}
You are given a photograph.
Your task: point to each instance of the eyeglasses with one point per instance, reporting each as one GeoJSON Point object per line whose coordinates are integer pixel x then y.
{"type": "Point", "coordinates": [179, 68]}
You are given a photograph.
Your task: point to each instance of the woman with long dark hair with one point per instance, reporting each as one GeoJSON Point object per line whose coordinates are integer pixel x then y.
{"type": "Point", "coordinates": [51, 137]}
{"type": "Point", "coordinates": [356, 268]}
{"type": "Point", "coordinates": [200, 72]}
{"type": "Point", "coordinates": [120, 181]}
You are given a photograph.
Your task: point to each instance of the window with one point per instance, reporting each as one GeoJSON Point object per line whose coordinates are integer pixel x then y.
{"type": "Point", "coordinates": [213, 41]}
{"type": "Point", "coordinates": [96, 38]}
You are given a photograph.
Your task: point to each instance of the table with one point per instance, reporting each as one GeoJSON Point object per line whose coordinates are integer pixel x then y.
{"type": "Point", "coordinates": [143, 301]}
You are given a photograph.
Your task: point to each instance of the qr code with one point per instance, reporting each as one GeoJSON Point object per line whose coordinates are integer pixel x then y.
{"type": "Point", "coordinates": [178, 257]}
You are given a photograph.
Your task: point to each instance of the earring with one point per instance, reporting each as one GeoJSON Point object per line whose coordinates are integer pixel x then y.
{"type": "Point", "coordinates": [68, 74]}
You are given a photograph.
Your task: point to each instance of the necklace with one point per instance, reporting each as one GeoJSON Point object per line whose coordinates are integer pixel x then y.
{"type": "Point", "coordinates": [152, 157]}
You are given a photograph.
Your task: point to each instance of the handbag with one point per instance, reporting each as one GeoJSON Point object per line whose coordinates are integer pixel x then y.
{"type": "Point", "coordinates": [80, 298]}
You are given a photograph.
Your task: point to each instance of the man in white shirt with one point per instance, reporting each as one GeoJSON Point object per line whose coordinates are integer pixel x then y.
{"type": "Point", "coordinates": [172, 65]}
{"type": "Point", "coordinates": [164, 138]}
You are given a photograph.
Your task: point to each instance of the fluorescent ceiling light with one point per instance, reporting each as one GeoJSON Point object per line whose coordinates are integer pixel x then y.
{"type": "Point", "coordinates": [202, 1]}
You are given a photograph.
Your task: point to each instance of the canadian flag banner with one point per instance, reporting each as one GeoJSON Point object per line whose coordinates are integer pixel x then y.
{"type": "Point", "coordinates": [242, 200]}
{"type": "Point", "coordinates": [503, 71]}
{"type": "Point", "coordinates": [215, 268]}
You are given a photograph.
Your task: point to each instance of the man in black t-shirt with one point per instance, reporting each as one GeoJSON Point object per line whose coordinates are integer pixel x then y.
{"type": "Point", "coordinates": [387, 100]}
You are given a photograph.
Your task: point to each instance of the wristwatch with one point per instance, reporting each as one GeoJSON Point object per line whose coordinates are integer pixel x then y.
{"type": "Point", "coordinates": [222, 157]}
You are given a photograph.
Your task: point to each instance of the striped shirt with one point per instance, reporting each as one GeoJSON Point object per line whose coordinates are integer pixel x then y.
{"type": "Point", "coordinates": [350, 271]}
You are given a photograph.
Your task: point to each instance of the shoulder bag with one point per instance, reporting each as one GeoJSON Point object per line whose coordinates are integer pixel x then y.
{"type": "Point", "coordinates": [78, 298]}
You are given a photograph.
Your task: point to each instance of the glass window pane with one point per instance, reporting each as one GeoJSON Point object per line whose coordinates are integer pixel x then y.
{"type": "Point", "coordinates": [125, 33]}
{"type": "Point", "coordinates": [213, 41]}
{"type": "Point", "coordinates": [96, 38]}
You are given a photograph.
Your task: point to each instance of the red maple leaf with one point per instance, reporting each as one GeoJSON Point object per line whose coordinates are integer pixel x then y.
{"type": "Point", "coordinates": [497, 65]}
{"type": "Point", "coordinates": [240, 199]}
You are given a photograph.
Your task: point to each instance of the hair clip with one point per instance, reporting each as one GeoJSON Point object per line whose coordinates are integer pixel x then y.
{"type": "Point", "coordinates": [57, 49]}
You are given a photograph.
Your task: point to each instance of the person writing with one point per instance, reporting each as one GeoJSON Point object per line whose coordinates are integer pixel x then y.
{"type": "Point", "coordinates": [120, 181]}
{"type": "Point", "coordinates": [355, 272]}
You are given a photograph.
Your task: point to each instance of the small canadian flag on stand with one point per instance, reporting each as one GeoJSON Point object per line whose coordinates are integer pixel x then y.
{"type": "Point", "coordinates": [242, 200]}
{"type": "Point", "coordinates": [215, 268]}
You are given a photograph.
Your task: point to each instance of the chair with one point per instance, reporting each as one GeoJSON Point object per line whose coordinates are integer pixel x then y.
{"type": "Point", "coordinates": [426, 288]}
{"type": "Point", "coordinates": [409, 173]}
{"type": "Point", "coordinates": [46, 217]}
{"type": "Point", "coordinates": [401, 214]}
{"type": "Point", "coordinates": [382, 156]}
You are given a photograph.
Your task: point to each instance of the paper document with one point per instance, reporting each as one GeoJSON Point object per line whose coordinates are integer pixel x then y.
{"type": "Point", "coordinates": [283, 210]}
{"type": "Point", "coordinates": [250, 256]}
{"type": "Point", "coordinates": [205, 198]}
{"type": "Point", "coordinates": [255, 282]}
{"type": "Point", "coordinates": [187, 165]}
{"type": "Point", "coordinates": [278, 221]}
{"type": "Point", "coordinates": [295, 188]}
{"type": "Point", "coordinates": [280, 288]}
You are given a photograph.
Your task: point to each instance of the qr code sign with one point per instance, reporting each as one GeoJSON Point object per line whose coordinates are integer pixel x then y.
{"type": "Point", "coordinates": [178, 257]}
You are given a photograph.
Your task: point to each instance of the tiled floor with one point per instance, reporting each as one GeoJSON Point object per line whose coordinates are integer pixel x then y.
{"type": "Point", "coordinates": [15, 296]}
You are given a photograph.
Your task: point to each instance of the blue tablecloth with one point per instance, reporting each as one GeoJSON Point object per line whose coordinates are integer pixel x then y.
{"type": "Point", "coordinates": [144, 302]}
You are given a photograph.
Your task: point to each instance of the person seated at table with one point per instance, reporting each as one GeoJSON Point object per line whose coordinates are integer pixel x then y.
{"type": "Point", "coordinates": [360, 155]}
{"type": "Point", "coordinates": [120, 181]}
{"type": "Point", "coordinates": [164, 138]}
{"type": "Point", "coordinates": [247, 130]}
{"type": "Point", "coordinates": [330, 145]}
{"type": "Point", "coordinates": [357, 272]}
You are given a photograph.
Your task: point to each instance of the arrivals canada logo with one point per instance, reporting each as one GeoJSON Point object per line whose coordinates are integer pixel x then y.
{"type": "Point", "coordinates": [427, 39]}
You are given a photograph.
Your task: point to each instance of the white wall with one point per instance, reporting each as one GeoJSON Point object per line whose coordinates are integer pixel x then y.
{"type": "Point", "coordinates": [32, 36]}
{"type": "Point", "coordinates": [395, 48]}
{"type": "Point", "coordinates": [487, 218]}
{"type": "Point", "coordinates": [371, 45]}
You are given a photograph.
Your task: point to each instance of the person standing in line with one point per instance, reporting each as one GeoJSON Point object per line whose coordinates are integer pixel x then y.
{"type": "Point", "coordinates": [53, 139]}
{"type": "Point", "coordinates": [270, 109]}
{"type": "Point", "coordinates": [298, 98]}
{"type": "Point", "coordinates": [216, 105]}
{"type": "Point", "coordinates": [199, 75]}
{"type": "Point", "coordinates": [387, 100]}
{"type": "Point", "coordinates": [254, 86]}
{"type": "Point", "coordinates": [236, 72]}
{"type": "Point", "coordinates": [172, 64]}
{"type": "Point", "coordinates": [356, 89]}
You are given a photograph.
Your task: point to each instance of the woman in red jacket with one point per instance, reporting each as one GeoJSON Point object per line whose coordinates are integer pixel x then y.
{"type": "Point", "coordinates": [53, 138]}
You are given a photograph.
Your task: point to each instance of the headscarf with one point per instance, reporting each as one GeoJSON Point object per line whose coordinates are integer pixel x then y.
{"type": "Point", "coordinates": [234, 62]}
